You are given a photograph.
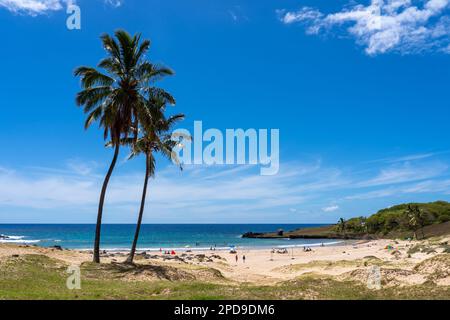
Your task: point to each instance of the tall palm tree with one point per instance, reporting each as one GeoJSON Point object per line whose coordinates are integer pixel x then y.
{"type": "Point", "coordinates": [156, 138]}
{"type": "Point", "coordinates": [116, 95]}
{"type": "Point", "coordinates": [416, 219]}
{"type": "Point", "coordinates": [342, 224]}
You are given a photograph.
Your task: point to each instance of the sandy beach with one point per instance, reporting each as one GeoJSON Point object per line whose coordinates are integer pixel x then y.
{"type": "Point", "coordinates": [401, 262]}
{"type": "Point", "coordinates": [264, 267]}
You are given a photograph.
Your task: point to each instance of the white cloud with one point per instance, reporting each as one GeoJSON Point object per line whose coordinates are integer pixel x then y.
{"type": "Point", "coordinates": [114, 3]}
{"type": "Point", "coordinates": [330, 208]}
{"type": "Point", "coordinates": [38, 7]}
{"type": "Point", "coordinates": [382, 193]}
{"type": "Point", "coordinates": [79, 167]}
{"type": "Point", "coordinates": [218, 193]}
{"type": "Point", "coordinates": [411, 157]}
{"type": "Point", "coordinates": [237, 14]}
{"type": "Point", "coordinates": [406, 172]}
{"type": "Point", "coordinates": [385, 25]}
{"type": "Point", "coordinates": [437, 186]}
{"type": "Point", "coordinates": [233, 15]}
{"type": "Point", "coordinates": [32, 7]}
{"type": "Point", "coordinates": [210, 190]}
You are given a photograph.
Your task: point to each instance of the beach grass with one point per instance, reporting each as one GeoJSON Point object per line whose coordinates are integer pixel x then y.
{"type": "Point", "coordinates": [328, 264]}
{"type": "Point", "coordinates": [40, 277]}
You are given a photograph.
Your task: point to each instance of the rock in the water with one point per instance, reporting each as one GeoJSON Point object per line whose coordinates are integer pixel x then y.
{"type": "Point", "coordinates": [251, 235]}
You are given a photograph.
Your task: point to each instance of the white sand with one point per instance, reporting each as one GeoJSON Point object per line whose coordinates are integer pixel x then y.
{"type": "Point", "coordinates": [263, 267]}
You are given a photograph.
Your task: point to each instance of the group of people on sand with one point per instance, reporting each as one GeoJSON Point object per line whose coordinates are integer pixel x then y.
{"type": "Point", "coordinates": [280, 251]}
{"type": "Point", "coordinates": [168, 252]}
{"type": "Point", "coordinates": [237, 258]}
{"type": "Point", "coordinates": [285, 251]}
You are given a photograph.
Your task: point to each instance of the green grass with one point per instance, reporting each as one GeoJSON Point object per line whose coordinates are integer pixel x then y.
{"type": "Point", "coordinates": [421, 248]}
{"type": "Point", "coordinates": [39, 277]}
{"type": "Point", "coordinates": [325, 264]}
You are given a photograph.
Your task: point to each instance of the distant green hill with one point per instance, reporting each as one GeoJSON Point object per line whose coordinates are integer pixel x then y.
{"type": "Point", "coordinates": [407, 220]}
{"type": "Point", "coordinates": [399, 220]}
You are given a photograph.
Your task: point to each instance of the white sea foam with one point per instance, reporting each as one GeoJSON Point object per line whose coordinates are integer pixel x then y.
{"type": "Point", "coordinates": [194, 249]}
{"type": "Point", "coordinates": [180, 249]}
{"type": "Point", "coordinates": [311, 244]}
{"type": "Point", "coordinates": [16, 239]}
{"type": "Point", "coordinates": [13, 237]}
{"type": "Point", "coordinates": [19, 241]}
{"type": "Point", "coordinates": [183, 249]}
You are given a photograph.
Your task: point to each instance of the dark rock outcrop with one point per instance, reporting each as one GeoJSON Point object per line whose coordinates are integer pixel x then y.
{"type": "Point", "coordinates": [252, 235]}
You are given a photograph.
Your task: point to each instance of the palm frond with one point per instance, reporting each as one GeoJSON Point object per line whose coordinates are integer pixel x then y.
{"type": "Point", "coordinates": [112, 47]}
{"type": "Point", "coordinates": [92, 117]}
{"type": "Point", "coordinates": [91, 97]}
{"type": "Point", "coordinates": [119, 95]}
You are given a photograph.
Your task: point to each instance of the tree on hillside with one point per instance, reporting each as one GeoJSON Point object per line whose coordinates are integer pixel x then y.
{"type": "Point", "coordinates": [416, 219]}
{"type": "Point", "coordinates": [342, 226]}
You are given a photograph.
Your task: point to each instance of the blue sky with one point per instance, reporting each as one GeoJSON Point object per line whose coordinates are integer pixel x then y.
{"type": "Point", "coordinates": [359, 91]}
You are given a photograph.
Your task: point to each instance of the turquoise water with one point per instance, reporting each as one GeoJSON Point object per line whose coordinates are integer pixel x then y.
{"type": "Point", "coordinates": [152, 236]}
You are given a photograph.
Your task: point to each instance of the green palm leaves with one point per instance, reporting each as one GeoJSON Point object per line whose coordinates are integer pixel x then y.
{"type": "Point", "coordinates": [121, 96]}
{"type": "Point", "coordinates": [342, 225]}
{"type": "Point", "coordinates": [416, 219]}
{"type": "Point", "coordinates": [115, 95]}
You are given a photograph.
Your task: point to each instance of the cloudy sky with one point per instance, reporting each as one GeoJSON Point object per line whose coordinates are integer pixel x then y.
{"type": "Point", "coordinates": [358, 89]}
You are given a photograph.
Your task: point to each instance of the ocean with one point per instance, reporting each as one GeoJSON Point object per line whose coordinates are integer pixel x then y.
{"type": "Point", "coordinates": [152, 236]}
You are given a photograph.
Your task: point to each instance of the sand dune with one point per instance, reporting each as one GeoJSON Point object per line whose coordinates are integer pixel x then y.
{"type": "Point", "coordinates": [400, 262]}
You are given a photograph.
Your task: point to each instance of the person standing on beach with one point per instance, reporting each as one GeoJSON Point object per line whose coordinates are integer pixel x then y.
{"type": "Point", "coordinates": [243, 258]}
{"type": "Point", "coordinates": [237, 258]}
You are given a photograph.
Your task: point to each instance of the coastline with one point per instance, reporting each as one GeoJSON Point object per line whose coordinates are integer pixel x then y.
{"type": "Point", "coordinates": [153, 236]}
{"type": "Point", "coordinates": [262, 265]}
{"type": "Point", "coordinates": [208, 249]}
{"type": "Point", "coordinates": [408, 270]}
{"type": "Point", "coordinates": [35, 243]}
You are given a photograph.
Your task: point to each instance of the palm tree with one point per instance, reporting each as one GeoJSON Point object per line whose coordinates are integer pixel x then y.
{"type": "Point", "coordinates": [116, 96]}
{"type": "Point", "coordinates": [416, 219]}
{"type": "Point", "coordinates": [342, 225]}
{"type": "Point", "coordinates": [156, 138]}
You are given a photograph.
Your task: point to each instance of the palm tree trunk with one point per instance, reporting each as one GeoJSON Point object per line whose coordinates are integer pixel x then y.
{"type": "Point", "coordinates": [141, 213]}
{"type": "Point", "coordinates": [100, 206]}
